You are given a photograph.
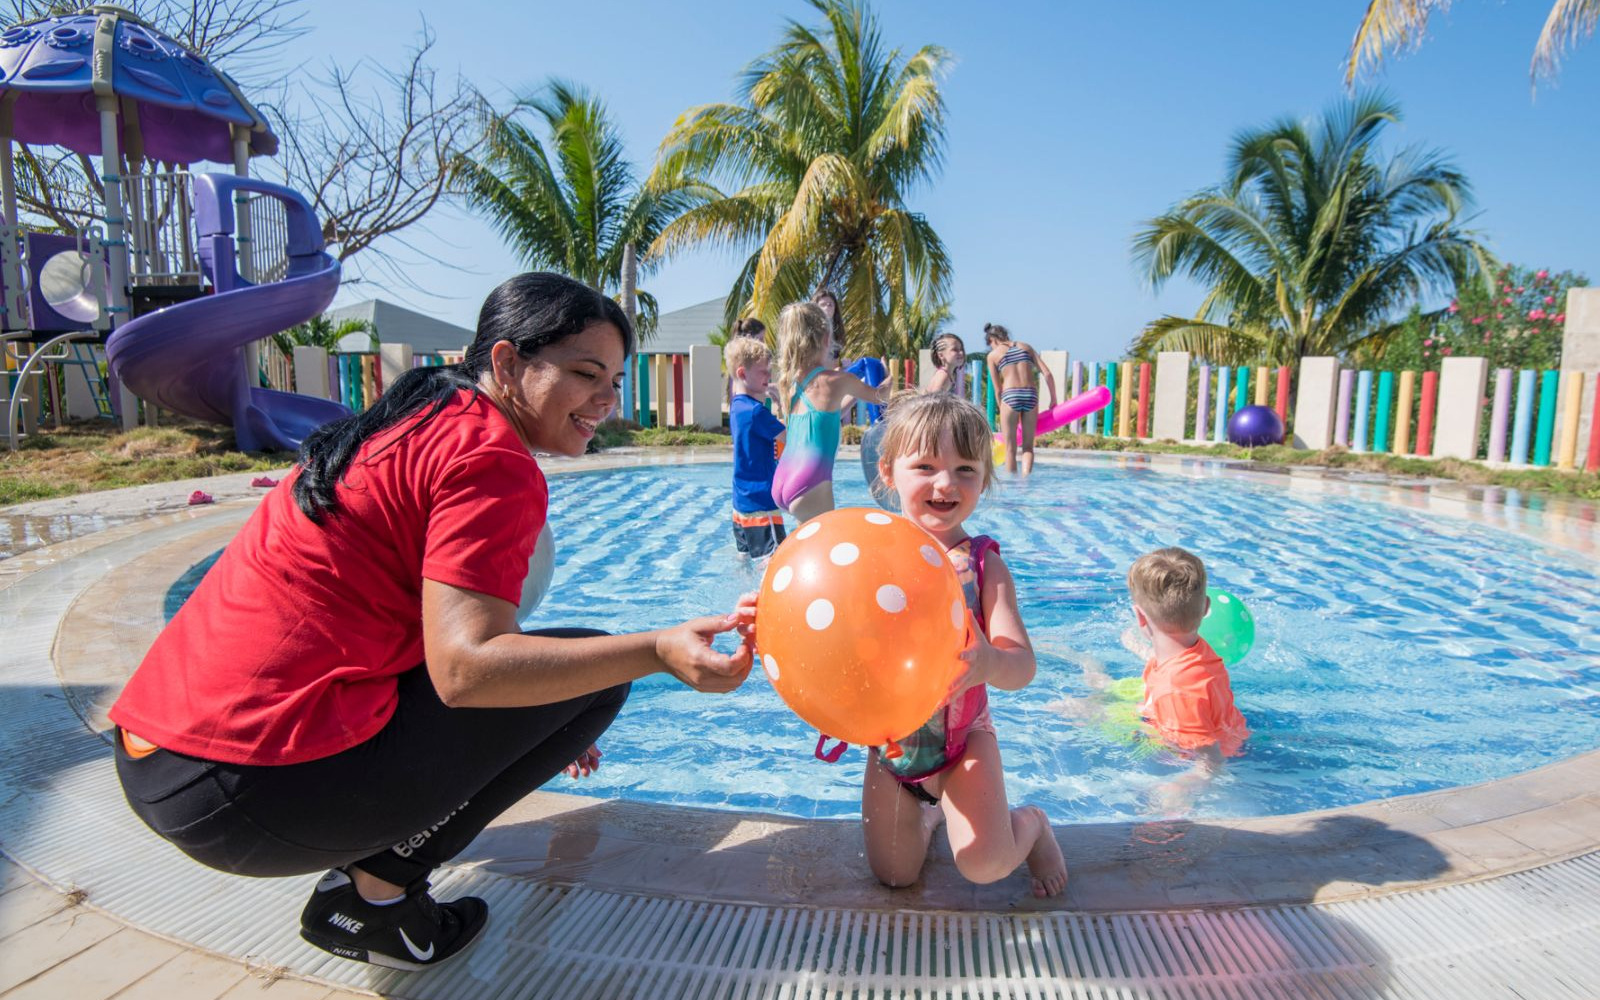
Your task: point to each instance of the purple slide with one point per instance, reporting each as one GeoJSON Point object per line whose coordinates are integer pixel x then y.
{"type": "Point", "coordinates": [190, 357]}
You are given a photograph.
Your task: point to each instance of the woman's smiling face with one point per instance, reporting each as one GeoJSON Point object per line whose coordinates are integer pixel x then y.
{"type": "Point", "coordinates": [556, 398]}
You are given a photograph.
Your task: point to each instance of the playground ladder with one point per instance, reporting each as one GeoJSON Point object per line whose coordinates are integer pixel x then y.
{"type": "Point", "coordinates": [83, 357]}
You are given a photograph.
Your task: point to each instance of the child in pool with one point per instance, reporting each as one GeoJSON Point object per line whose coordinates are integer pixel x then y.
{"type": "Point", "coordinates": [810, 391]}
{"type": "Point", "coordinates": [757, 522]}
{"type": "Point", "coordinates": [1188, 697]}
{"type": "Point", "coordinates": [950, 365]}
{"type": "Point", "coordinates": [937, 457]}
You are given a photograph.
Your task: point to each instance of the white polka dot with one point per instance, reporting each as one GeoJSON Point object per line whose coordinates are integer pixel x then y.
{"type": "Point", "coordinates": [844, 554]}
{"type": "Point", "coordinates": [819, 613]}
{"type": "Point", "coordinates": [891, 598]}
{"type": "Point", "coordinates": [958, 615]}
{"type": "Point", "coordinates": [879, 518]}
{"type": "Point", "coordinates": [782, 578]}
{"type": "Point", "coordinates": [1224, 598]}
{"type": "Point", "coordinates": [808, 530]}
{"type": "Point", "coordinates": [771, 665]}
{"type": "Point", "coordinates": [929, 554]}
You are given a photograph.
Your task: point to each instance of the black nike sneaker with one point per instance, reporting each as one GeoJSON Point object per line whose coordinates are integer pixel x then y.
{"type": "Point", "coordinates": [414, 934]}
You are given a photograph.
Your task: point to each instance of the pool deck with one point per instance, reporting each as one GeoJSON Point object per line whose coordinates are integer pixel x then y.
{"type": "Point", "coordinates": [1340, 892]}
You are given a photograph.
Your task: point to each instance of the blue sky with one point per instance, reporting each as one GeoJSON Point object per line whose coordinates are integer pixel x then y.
{"type": "Point", "coordinates": [1069, 124]}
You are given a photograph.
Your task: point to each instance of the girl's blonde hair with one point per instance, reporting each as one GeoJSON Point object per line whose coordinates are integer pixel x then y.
{"type": "Point", "coordinates": [803, 336]}
{"type": "Point", "coordinates": [916, 421]}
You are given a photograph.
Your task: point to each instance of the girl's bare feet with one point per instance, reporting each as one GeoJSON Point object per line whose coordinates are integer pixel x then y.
{"type": "Point", "coordinates": [1045, 863]}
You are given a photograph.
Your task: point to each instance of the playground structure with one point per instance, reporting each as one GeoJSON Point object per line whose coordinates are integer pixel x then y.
{"type": "Point", "coordinates": [182, 273]}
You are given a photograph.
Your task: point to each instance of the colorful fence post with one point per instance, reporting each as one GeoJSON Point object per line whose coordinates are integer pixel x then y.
{"type": "Point", "coordinates": [1358, 437]}
{"type": "Point", "coordinates": [1144, 399]}
{"type": "Point", "coordinates": [625, 404]}
{"type": "Point", "coordinates": [1572, 412]}
{"type": "Point", "coordinates": [1125, 400]}
{"type": "Point", "coordinates": [646, 418]}
{"type": "Point", "coordinates": [677, 390]}
{"type": "Point", "coordinates": [1241, 393]}
{"type": "Point", "coordinates": [1593, 464]}
{"type": "Point", "coordinates": [991, 404]}
{"type": "Point", "coordinates": [1500, 415]}
{"type": "Point", "coordinates": [1380, 413]}
{"type": "Point", "coordinates": [1341, 419]}
{"type": "Point", "coordinates": [1202, 404]}
{"type": "Point", "coordinates": [1220, 431]}
{"type": "Point", "coordinates": [1282, 407]}
{"type": "Point", "coordinates": [975, 382]}
{"type": "Point", "coordinates": [1430, 405]}
{"type": "Point", "coordinates": [1547, 417]}
{"type": "Point", "coordinates": [1522, 424]}
{"type": "Point", "coordinates": [1402, 413]}
{"type": "Point", "coordinates": [1076, 387]}
{"type": "Point", "coordinates": [1316, 394]}
{"type": "Point", "coordinates": [1262, 386]}
{"type": "Point", "coordinates": [1109, 427]}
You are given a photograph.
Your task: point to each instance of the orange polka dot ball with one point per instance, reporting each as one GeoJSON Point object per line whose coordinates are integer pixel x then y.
{"type": "Point", "coordinates": [859, 623]}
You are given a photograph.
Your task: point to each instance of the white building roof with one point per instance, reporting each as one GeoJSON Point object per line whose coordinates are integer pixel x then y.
{"type": "Point", "coordinates": [399, 325]}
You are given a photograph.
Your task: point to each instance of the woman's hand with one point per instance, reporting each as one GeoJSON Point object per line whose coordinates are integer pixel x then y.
{"type": "Point", "coordinates": [976, 658]}
{"type": "Point", "coordinates": [685, 652]}
{"type": "Point", "coordinates": [587, 763]}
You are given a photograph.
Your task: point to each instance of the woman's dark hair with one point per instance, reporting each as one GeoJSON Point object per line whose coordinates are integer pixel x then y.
{"type": "Point", "coordinates": [750, 327]}
{"type": "Point", "coordinates": [835, 314]}
{"type": "Point", "coordinates": [994, 331]}
{"type": "Point", "coordinates": [532, 311]}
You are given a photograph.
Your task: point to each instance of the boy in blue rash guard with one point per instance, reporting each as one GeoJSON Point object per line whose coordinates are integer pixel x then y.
{"type": "Point", "coordinates": [757, 521]}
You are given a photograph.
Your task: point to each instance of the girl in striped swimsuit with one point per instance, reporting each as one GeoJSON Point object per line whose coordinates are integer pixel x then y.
{"type": "Point", "coordinates": [1014, 368]}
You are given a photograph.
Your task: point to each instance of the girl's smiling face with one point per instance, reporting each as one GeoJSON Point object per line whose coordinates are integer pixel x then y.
{"type": "Point", "coordinates": [938, 490]}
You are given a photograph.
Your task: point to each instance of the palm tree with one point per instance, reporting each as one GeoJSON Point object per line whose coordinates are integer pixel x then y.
{"type": "Point", "coordinates": [1315, 244]}
{"type": "Point", "coordinates": [833, 132]}
{"type": "Point", "coordinates": [576, 207]}
{"type": "Point", "coordinates": [1389, 25]}
{"type": "Point", "coordinates": [323, 332]}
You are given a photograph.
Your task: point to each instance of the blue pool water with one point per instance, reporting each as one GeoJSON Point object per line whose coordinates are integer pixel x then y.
{"type": "Point", "coordinates": [1397, 651]}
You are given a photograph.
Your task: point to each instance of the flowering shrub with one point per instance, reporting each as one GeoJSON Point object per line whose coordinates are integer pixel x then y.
{"type": "Point", "coordinates": [1519, 325]}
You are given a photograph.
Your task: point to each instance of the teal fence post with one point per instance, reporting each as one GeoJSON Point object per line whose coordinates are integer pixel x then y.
{"type": "Point", "coordinates": [1522, 427]}
{"type": "Point", "coordinates": [1109, 427]}
{"type": "Point", "coordinates": [644, 391]}
{"type": "Point", "coordinates": [1548, 386]}
{"type": "Point", "coordinates": [1358, 436]}
{"type": "Point", "coordinates": [1242, 393]}
{"type": "Point", "coordinates": [1380, 418]}
{"type": "Point", "coordinates": [991, 404]}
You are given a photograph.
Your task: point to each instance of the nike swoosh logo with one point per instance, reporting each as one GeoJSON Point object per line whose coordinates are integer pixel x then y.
{"type": "Point", "coordinates": [417, 953]}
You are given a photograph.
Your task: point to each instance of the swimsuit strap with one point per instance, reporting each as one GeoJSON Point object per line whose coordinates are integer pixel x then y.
{"type": "Point", "coordinates": [800, 389]}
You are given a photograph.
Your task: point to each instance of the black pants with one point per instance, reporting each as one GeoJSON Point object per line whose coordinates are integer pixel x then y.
{"type": "Point", "coordinates": [397, 806]}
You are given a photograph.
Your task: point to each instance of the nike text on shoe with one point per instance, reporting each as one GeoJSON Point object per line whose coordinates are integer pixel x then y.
{"type": "Point", "coordinates": [414, 934]}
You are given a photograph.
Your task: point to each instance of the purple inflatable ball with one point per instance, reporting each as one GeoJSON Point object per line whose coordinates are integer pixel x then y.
{"type": "Point", "coordinates": [1254, 426]}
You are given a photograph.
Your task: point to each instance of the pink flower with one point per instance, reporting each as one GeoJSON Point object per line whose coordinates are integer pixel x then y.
{"type": "Point", "coordinates": [1520, 289]}
{"type": "Point", "coordinates": [1427, 341]}
{"type": "Point", "coordinates": [1486, 336]}
{"type": "Point", "coordinates": [1507, 299]}
{"type": "Point", "coordinates": [1454, 308]}
{"type": "Point", "coordinates": [1476, 320]}
{"type": "Point", "coordinates": [1542, 275]}
{"type": "Point", "coordinates": [1549, 300]}
{"type": "Point", "coordinates": [1559, 318]}
{"type": "Point", "coordinates": [1536, 314]}
{"type": "Point", "coordinates": [1444, 350]}
{"type": "Point", "coordinates": [1499, 315]}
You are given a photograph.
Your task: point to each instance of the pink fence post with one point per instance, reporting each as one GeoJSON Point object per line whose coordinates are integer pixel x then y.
{"type": "Point", "coordinates": [1144, 399]}
{"type": "Point", "coordinates": [1500, 416]}
{"type": "Point", "coordinates": [1430, 404]}
{"type": "Point", "coordinates": [1341, 417]}
{"type": "Point", "coordinates": [1593, 462]}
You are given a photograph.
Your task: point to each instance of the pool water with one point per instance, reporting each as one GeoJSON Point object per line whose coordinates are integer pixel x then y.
{"type": "Point", "coordinates": [1397, 651]}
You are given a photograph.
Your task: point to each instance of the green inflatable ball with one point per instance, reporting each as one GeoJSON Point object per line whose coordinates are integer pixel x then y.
{"type": "Point", "coordinates": [1228, 626]}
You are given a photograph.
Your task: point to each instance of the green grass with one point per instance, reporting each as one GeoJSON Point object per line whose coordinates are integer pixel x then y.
{"type": "Point", "coordinates": [93, 455]}
{"type": "Point", "coordinates": [1585, 485]}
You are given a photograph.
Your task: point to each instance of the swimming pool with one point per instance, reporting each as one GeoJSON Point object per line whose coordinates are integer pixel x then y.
{"type": "Point", "coordinates": [1397, 651]}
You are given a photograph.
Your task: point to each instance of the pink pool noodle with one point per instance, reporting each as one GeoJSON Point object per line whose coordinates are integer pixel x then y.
{"type": "Point", "coordinates": [1062, 414]}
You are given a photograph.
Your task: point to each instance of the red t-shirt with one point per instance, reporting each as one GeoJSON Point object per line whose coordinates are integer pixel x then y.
{"type": "Point", "coordinates": [290, 647]}
{"type": "Point", "coordinates": [1189, 701]}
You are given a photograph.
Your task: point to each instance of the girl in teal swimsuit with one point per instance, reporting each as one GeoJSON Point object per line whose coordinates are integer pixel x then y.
{"type": "Point", "coordinates": [812, 391]}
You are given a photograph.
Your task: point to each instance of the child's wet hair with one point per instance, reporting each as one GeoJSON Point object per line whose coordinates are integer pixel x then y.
{"type": "Point", "coordinates": [916, 421]}
{"type": "Point", "coordinates": [1170, 585]}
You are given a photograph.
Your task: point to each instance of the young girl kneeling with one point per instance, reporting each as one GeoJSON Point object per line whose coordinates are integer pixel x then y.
{"type": "Point", "coordinates": [937, 457]}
